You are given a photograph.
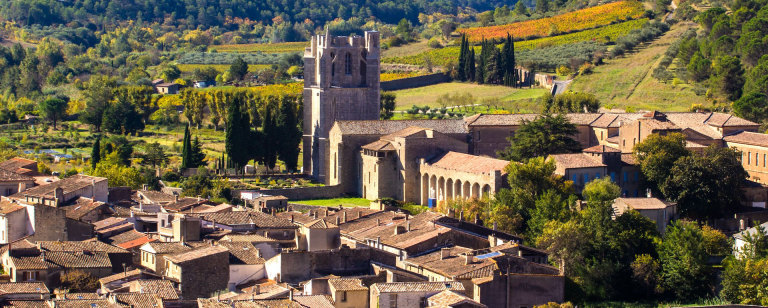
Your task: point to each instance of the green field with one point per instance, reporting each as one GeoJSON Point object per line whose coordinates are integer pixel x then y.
{"type": "Point", "coordinates": [627, 81]}
{"type": "Point", "coordinates": [347, 202]}
{"type": "Point", "coordinates": [428, 95]}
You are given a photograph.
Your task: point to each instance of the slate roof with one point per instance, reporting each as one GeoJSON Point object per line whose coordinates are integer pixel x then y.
{"type": "Point", "coordinates": [407, 287]}
{"type": "Point", "coordinates": [163, 288]}
{"type": "Point", "coordinates": [575, 160]}
{"type": "Point", "coordinates": [258, 219]}
{"type": "Point", "coordinates": [79, 246]}
{"type": "Point", "coordinates": [385, 127]}
{"type": "Point", "coordinates": [242, 253]}
{"type": "Point", "coordinates": [186, 256]}
{"type": "Point", "coordinates": [750, 138]}
{"type": "Point", "coordinates": [468, 163]}
{"type": "Point", "coordinates": [347, 284]}
{"type": "Point", "coordinates": [80, 207]}
{"type": "Point", "coordinates": [23, 288]}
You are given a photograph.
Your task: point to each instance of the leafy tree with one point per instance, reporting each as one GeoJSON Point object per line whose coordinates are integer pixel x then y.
{"type": "Point", "coordinates": [53, 109]}
{"type": "Point", "coordinates": [239, 68]}
{"type": "Point", "coordinates": [758, 77]}
{"type": "Point", "coordinates": [542, 6]}
{"type": "Point", "coordinates": [706, 186]}
{"type": "Point", "coordinates": [520, 8]}
{"type": "Point", "coordinates": [564, 241]}
{"type": "Point", "coordinates": [547, 134]}
{"type": "Point", "coordinates": [700, 67]}
{"type": "Point", "coordinates": [194, 105]}
{"type": "Point", "coordinates": [289, 131]}
{"type": "Point", "coordinates": [753, 107]}
{"type": "Point", "coordinates": [137, 74]}
{"type": "Point", "coordinates": [656, 155]}
{"type": "Point", "coordinates": [97, 94]}
{"type": "Point", "coordinates": [118, 174]}
{"type": "Point", "coordinates": [207, 73]}
{"type": "Point", "coordinates": [155, 155]}
{"type": "Point", "coordinates": [684, 261]}
{"type": "Point", "coordinates": [122, 117]}
{"type": "Point", "coordinates": [729, 77]}
{"type": "Point", "coordinates": [79, 281]}
{"type": "Point", "coordinates": [387, 105]}
{"type": "Point", "coordinates": [552, 205]}
{"type": "Point", "coordinates": [403, 29]}
{"type": "Point", "coordinates": [570, 102]}
{"type": "Point", "coordinates": [645, 274]}
{"type": "Point", "coordinates": [140, 97]}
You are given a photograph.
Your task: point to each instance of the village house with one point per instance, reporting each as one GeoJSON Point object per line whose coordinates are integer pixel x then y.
{"type": "Point", "coordinates": [23, 291]}
{"type": "Point", "coordinates": [121, 282]}
{"type": "Point", "coordinates": [245, 263]}
{"type": "Point", "coordinates": [348, 292]}
{"type": "Point", "coordinates": [199, 272]}
{"type": "Point", "coordinates": [267, 247]}
{"type": "Point", "coordinates": [178, 227]}
{"type": "Point", "coordinates": [658, 211]}
{"type": "Point", "coordinates": [153, 254]}
{"type": "Point", "coordinates": [318, 235]}
{"type": "Point", "coordinates": [162, 287]}
{"type": "Point", "coordinates": [12, 183]}
{"type": "Point", "coordinates": [409, 294]}
{"type": "Point", "coordinates": [252, 222]}
{"type": "Point", "coordinates": [266, 203]}
{"type": "Point", "coordinates": [740, 238]}
{"type": "Point", "coordinates": [119, 258]}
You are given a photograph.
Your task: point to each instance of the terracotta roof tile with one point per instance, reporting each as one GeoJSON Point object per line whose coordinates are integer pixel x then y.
{"type": "Point", "coordinates": [79, 246]}
{"type": "Point", "coordinates": [499, 119]}
{"type": "Point", "coordinates": [166, 247]}
{"type": "Point", "coordinates": [9, 176]}
{"type": "Point", "coordinates": [321, 224]}
{"type": "Point", "coordinates": [138, 300]}
{"type": "Point", "coordinates": [268, 291]}
{"type": "Point", "coordinates": [136, 243]}
{"type": "Point", "coordinates": [407, 132]}
{"type": "Point", "coordinates": [25, 304]}
{"type": "Point", "coordinates": [252, 238]}
{"type": "Point", "coordinates": [601, 149]}
{"type": "Point", "coordinates": [450, 299]}
{"type": "Point", "coordinates": [750, 138]}
{"type": "Point", "coordinates": [17, 162]}
{"type": "Point", "coordinates": [122, 276]}
{"type": "Point", "coordinates": [347, 284]}
{"type": "Point", "coordinates": [643, 203]}
{"type": "Point", "coordinates": [163, 288]}
{"type": "Point", "coordinates": [127, 236]}
{"type": "Point", "coordinates": [242, 253]}
{"type": "Point", "coordinates": [186, 256]}
{"type": "Point", "coordinates": [385, 127]}
{"type": "Point", "coordinates": [80, 207]}
{"type": "Point", "coordinates": [314, 301]}
{"type": "Point", "coordinates": [32, 263]}
{"type": "Point", "coordinates": [468, 163]}
{"type": "Point", "coordinates": [211, 303]}
{"type": "Point", "coordinates": [575, 160]}
{"type": "Point", "coordinates": [78, 296]}
{"type": "Point", "coordinates": [92, 259]}
{"type": "Point", "coordinates": [156, 196]}
{"type": "Point", "coordinates": [108, 223]}
{"type": "Point", "coordinates": [379, 145]}
{"type": "Point", "coordinates": [258, 219]}
{"type": "Point", "coordinates": [70, 184]}
{"type": "Point", "coordinates": [23, 288]}
{"type": "Point", "coordinates": [7, 207]}
{"type": "Point", "coordinates": [184, 204]}
{"type": "Point", "coordinates": [268, 303]}
{"type": "Point", "coordinates": [82, 303]}
{"type": "Point", "coordinates": [406, 287]}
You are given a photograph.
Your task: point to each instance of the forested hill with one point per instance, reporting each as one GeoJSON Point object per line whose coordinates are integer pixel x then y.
{"type": "Point", "coordinates": [208, 13]}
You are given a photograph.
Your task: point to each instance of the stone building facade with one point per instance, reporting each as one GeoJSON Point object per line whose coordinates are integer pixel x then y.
{"type": "Point", "coordinates": [341, 82]}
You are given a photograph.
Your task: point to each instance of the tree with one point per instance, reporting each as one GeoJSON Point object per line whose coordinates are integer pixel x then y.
{"type": "Point", "coordinates": [269, 143]}
{"type": "Point", "coordinates": [645, 274]}
{"type": "Point", "coordinates": [684, 261]}
{"type": "Point", "coordinates": [139, 96]}
{"type": "Point", "coordinates": [186, 144]}
{"type": "Point", "coordinates": [403, 29]}
{"type": "Point", "coordinates": [493, 67]}
{"type": "Point", "coordinates": [194, 105]}
{"type": "Point", "coordinates": [238, 132]}
{"type": "Point", "coordinates": [122, 117]}
{"type": "Point", "coordinates": [471, 65]}
{"type": "Point", "coordinates": [656, 155]}
{"type": "Point", "coordinates": [239, 68]}
{"type": "Point", "coordinates": [508, 62]}
{"type": "Point", "coordinates": [98, 94]}
{"type": "Point", "coordinates": [387, 105]}
{"type": "Point", "coordinates": [564, 241]}
{"type": "Point", "coordinates": [196, 154]}
{"type": "Point", "coordinates": [706, 186]}
{"type": "Point", "coordinates": [729, 76]}
{"type": "Point", "coordinates": [520, 8]}
{"type": "Point", "coordinates": [570, 102]}
{"type": "Point", "coordinates": [155, 155]}
{"type": "Point", "coordinates": [79, 281]}
{"type": "Point", "coordinates": [96, 152]}
{"type": "Point", "coordinates": [542, 6]}
{"type": "Point", "coordinates": [547, 134]}
{"type": "Point", "coordinates": [53, 109]}
{"type": "Point", "coordinates": [753, 107]}
{"type": "Point", "coordinates": [463, 55]}
{"type": "Point", "coordinates": [700, 67]}
{"type": "Point", "coordinates": [118, 174]}
{"type": "Point", "coordinates": [289, 131]}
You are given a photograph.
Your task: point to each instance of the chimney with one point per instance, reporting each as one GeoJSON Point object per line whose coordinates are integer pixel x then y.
{"type": "Point", "coordinates": [408, 227]}
{"type": "Point", "coordinates": [144, 187]}
{"type": "Point", "coordinates": [377, 222]}
{"type": "Point", "coordinates": [337, 220]}
{"type": "Point", "coordinates": [291, 218]}
{"type": "Point", "coordinates": [93, 189]}
{"type": "Point", "coordinates": [399, 230]}
{"type": "Point", "coordinates": [344, 216]}
{"type": "Point", "coordinates": [213, 222]}
{"type": "Point", "coordinates": [468, 259]}
{"type": "Point", "coordinates": [648, 193]}
{"type": "Point", "coordinates": [314, 214]}
{"type": "Point", "coordinates": [358, 213]}
{"type": "Point", "coordinates": [272, 210]}
{"type": "Point", "coordinates": [445, 253]}
{"type": "Point", "coordinates": [176, 198]}
{"type": "Point", "coordinates": [58, 195]}
{"type": "Point", "coordinates": [22, 186]}
{"type": "Point", "coordinates": [257, 289]}
{"type": "Point", "coordinates": [290, 295]}
{"type": "Point", "coordinates": [477, 219]}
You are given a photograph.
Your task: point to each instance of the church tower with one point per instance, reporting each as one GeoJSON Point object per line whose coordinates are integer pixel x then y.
{"type": "Point", "coordinates": [341, 82]}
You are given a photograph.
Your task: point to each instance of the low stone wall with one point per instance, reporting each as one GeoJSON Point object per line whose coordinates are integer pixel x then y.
{"type": "Point", "coordinates": [414, 82]}
{"type": "Point", "coordinates": [301, 193]}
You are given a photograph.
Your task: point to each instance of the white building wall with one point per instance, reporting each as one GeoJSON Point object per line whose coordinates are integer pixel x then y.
{"type": "Point", "coordinates": [241, 273]}
{"type": "Point", "coordinates": [13, 226]}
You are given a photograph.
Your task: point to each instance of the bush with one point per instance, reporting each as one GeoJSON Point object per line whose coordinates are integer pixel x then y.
{"type": "Point", "coordinates": [564, 70]}
{"type": "Point", "coordinates": [434, 43]}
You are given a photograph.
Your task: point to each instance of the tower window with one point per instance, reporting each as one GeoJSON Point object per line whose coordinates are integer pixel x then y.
{"type": "Point", "coordinates": [348, 64]}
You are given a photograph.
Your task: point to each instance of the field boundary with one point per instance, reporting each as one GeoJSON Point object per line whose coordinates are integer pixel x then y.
{"type": "Point", "coordinates": [414, 82]}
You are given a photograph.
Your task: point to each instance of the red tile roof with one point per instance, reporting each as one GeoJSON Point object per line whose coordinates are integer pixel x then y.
{"type": "Point", "coordinates": [750, 138]}
{"type": "Point", "coordinates": [468, 163]}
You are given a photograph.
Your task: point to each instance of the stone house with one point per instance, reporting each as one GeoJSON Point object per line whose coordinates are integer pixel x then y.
{"type": "Point", "coordinates": [318, 235]}
{"type": "Point", "coordinates": [167, 88]}
{"type": "Point", "coordinates": [13, 218]}
{"type": "Point", "coordinates": [518, 290]}
{"type": "Point", "coordinates": [754, 159]}
{"type": "Point", "coordinates": [740, 238]}
{"type": "Point", "coordinates": [660, 212]}
{"type": "Point", "coordinates": [452, 175]}
{"type": "Point", "coordinates": [121, 282]}
{"type": "Point", "coordinates": [579, 168]}
{"type": "Point", "coordinates": [162, 287]}
{"type": "Point", "coordinates": [245, 263]}
{"type": "Point", "coordinates": [348, 292]}
{"type": "Point", "coordinates": [267, 247]}
{"type": "Point", "coordinates": [119, 257]}
{"type": "Point", "coordinates": [596, 162]}
{"type": "Point", "coordinates": [12, 183]}
{"type": "Point", "coordinates": [178, 227]}
{"type": "Point", "coordinates": [409, 294]}
{"type": "Point", "coordinates": [47, 266]}
{"type": "Point", "coordinates": [199, 272]}
{"type": "Point", "coordinates": [153, 254]}
{"type": "Point", "coordinates": [265, 203]}
{"type": "Point", "coordinates": [86, 209]}
{"type": "Point", "coordinates": [450, 299]}
{"type": "Point", "coordinates": [24, 291]}
{"type": "Point", "coordinates": [60, 192]}
{"type": "Point", "coordinates": [21, 166]}
{"type": "Point", "coordinates": [298, 266]}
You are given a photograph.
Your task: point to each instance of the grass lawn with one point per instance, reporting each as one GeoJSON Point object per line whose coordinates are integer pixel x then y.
{"type": "Point", "coordinates": [428, 95]}
{"type": "Point", "coordinates": [627, 81]}
{"type": "Point", "coordinates": [406, 50]}
{"type": "Point", "coordinates": [347, 202]}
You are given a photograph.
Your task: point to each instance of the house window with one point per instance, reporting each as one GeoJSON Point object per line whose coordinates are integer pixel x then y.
{"type": "Point", "coordinates": [625, 177]}
{"type": "Point", "coordinates": [757, 160]}
{"type": "Point", "coordinates": [613, 176]}
{"type": "Point", "coordinates": [637, 176]}
{"type": "Point", "coordinates": [765, 158]}
{"type": "Point", "coordinates": [575, 178]}
{"type": "Point", "coordinates": [636, 194]}
{"type": "Point", "coordinates": [348, 64]}
{"type": "Point", "coordinates": [601, 135]}
{"type": "Point", "coordinates": [597, 175]}
{"type": "Point", "coordinates": [392, 300]}
{"type": "Point", "coordinates": [343, 296]}
{"type": "Point", "coordinates": [8, 192]}
{"type": "Point", "coordinates": [623, 142]}
{"type": "Point", "coordinates": [586, 178]}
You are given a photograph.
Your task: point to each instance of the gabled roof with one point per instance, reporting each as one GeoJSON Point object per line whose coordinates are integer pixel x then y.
{"type": "Point", "coordinates": [79, 246]}
{"type": "Point", "coordinates": [138, 300]}
{"type": "Point", "coordinates": [165, 247]}
{"type": "Point", "coordinates": [122, 276]}
{"type": "Point", "coordinates": [268, 303]}
{"type": "Point", "coordinates": [163, 288]}
{"type": "Point", "coordinates": [93, 259]}
{"type": "Point", "coordinates": [78, 296]}
{"type": "Point", "coordinates": [379, 145]}
{"type": "Point", "coordinates": [726, 120]}
{"type": "Point", "coordinates": [242, 253]}
{"type": "Point", "coordinates": [10, 176]}
{"type": "Point", "coordinates": [321, 224]}
{"type": "Point", "coordinates": [347, 284]}
{"type": "Point", "coordinates": [125, 237]}
{"type": "Point", "coordinates": [80, 207]}
{"type": "Point", "coordinates": [601, 149]}
{"type": "Point", "coordinates": [256, 218]}
{"type": "Point", "coordinates": [7, 207]}
{"type": "Point", "coordinates": [576, 160]}
{"type": "Point", "coordinates": [70, 184]}
{"type": "Point", "coordinates": [314, 301]}
{"type": "Point", "coordinates": [750, 138]}
{"type": "Point", "coordinates": [16, 163]}
{"type": "Point", "coordinates": [450, 299]}
{"type": "Point", "coordinates": [25, 304]}
{"type": "Point", "coordinates": [156, 196]}
{"type": "Point", "coordinates": [211, 303]}
{"type": "Point", "coordinates": [252, 238]}
{"type": "Point", "coordinates": [644, 203]}
{"type": "Point", "coordinates": [82, 303]}
{"type": "Point", "coordinates": [410, 131]}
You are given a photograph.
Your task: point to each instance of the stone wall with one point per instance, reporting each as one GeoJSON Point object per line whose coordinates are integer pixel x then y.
{"type": "Point", "coordinates": [414, 82]}
{"type": "Point", "coordinates": [204, 276]}
{"type": "Point", "coordinates": [120, 193]}
{"type": "Point", "coordinates": [301, 193]}
{"type": "Point", "coordinates": [298, 266]}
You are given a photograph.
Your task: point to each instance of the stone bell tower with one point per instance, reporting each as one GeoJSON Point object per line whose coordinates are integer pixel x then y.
{"type": "Point", "coordinates": [341, 82]}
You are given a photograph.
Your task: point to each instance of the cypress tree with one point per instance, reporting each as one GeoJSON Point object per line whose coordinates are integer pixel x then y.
{"type": "Point", "coordinates": [238, 135]}
{"type": "Point", "coordinates": [462, 60]}
{"type": "Point", "coordinates": [471, 64]}
{"type": "Point", "coordinates": [288, 128]}
{"type": "Point", "coordinates": [185, 148]}
{"type": "Point", "coordinates": [493, 67]}
{"type": "Point", "coordinates": [509, 61]}
{"type": "Point", "coordinates": [96, 152]}
{"type": "Point", "coordinates": [271, 136]}
{"type": "Point", "coordinates": [480, 74]}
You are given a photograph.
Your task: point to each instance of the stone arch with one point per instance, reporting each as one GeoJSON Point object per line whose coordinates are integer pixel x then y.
{"type": "Point", "coordinates": [433, 186]}
{"type": "Point", "coordinates": [449, 189]}
{"type": "Point", "coordinates": [486, 190]}
{"type": "Point", "coordinates": [465, 190]}
{"type": "Point", "coordinates": [440, 190]}
{"type": "Point", "coordinates": [476, 190]}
